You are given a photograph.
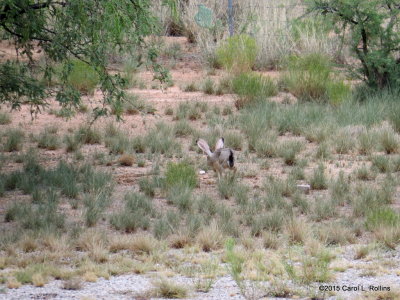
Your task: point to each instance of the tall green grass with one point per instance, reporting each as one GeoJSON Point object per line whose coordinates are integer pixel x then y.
{"type": "Point", "coordinates": [251, 86]}
{"type": "Point", "coordinates": [312, 78]}
{"type": "Point", "coordinates": [237, 54]}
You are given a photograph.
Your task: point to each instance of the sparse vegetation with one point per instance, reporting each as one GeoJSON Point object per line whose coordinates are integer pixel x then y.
{"type": "Point", "coordinates": [316, 187]}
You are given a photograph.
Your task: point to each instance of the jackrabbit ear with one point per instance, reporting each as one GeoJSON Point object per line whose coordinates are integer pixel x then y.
{"type": "Point", "coordinates": [219, 144]}
{"type": "Point", "coordinates": [204, 146]}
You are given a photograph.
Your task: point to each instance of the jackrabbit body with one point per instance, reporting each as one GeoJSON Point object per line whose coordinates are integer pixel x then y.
{"type": "Point", "coordinates": [221, 158]}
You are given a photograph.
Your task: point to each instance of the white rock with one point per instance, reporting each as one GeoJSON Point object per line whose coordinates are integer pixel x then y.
{"type": "Point", "coordinates": [202, 172]}
{"type": "Point", "coordinates": [304, 187]}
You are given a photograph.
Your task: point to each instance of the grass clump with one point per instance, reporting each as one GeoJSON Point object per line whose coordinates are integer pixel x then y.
{"type": "Point", "coordinates": [191, 87]}
{"type": "Point", "coordinates": [159, 140]}
{"type": "Point", "coordinates": [4, 118]}
{"type": "Point", "coordinates": [181, 173]}
{"type": "Point", "coordinates": [88, 135]}
{"type": "Point", "coordinates": [14, 139]}
{"type": "Point", "coordinates": [41, 216]}
{"type": "Point", "coordinates": [238, 53]}
{"type": "Point", "coordinates": [318, 180]}
{"type": "Point", "coordinates": [136, 213]}
{"type": "Point", "coordinates": [381, 163]}
{"type": "Point", "coordinates": [310, 78]}
{"type": "Point", "coordinates": [180, 196]}
{"type": "Point", "coordinates": [182, 128]}
{"type": "Point", "coordinates": [208, 87]}
{"type": "Point", "coordinates": [289, 150]}
{"type": "Point", "coordinates": [389, 141]}
{"type": "Point", "coordinates": [251, 86]}
{"type": "Point", "coordinates": [83, 77]}
{"type": "Point", "coordinates": [382, 217]}
{"type": "Point", "coordinates": [126, 160]}
{"type": "Point", "coordinates": [164, 288]}
{"type": "Point", "coordinates": [49, 139]}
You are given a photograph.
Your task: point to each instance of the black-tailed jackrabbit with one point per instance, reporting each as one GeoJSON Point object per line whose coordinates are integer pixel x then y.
{"type": "Point", "coordinates": [221, 158]}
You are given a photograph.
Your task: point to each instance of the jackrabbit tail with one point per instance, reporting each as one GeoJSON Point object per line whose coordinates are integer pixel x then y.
{"type": "Point", "coordinates": [221, 158]}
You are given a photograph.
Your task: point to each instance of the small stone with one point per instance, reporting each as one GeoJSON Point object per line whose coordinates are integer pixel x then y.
{"type": "Point", "coordinates": [304, 187]}
{"type": "Point", "coordinates": [202, 172]}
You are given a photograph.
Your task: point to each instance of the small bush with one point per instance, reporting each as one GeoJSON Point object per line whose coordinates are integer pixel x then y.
{"type": "Point", "coordinates": [251, 86]}
{"type": "Point", "coordinates": [238, 53]}
{"type": "Point", "coordinates": [83, 77]}
{"type": "Point", "coordinates": [126, 160]}
{"type": "Point", "coordinates": [180, 174]}
{"type": "Point", "coordinates": [309, 78]}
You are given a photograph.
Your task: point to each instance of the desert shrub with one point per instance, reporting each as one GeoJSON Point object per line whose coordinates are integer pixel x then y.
{"type": "Point", "coordinates": [251, 86]}
{"type": "Point", "coordinates": [310, 78]}
{"type": "Point", "coordinates": [83, 77]}
{"type": "Point", "coordinates": [181, 173]}
{"type": "Point", "coordinates": [238, 53]}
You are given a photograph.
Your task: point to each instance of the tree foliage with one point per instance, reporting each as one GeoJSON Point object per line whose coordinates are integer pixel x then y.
{"type": "Point", "coordinates": [375, 35]}
{"type": "Point", "coordinates": [67, 30]}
